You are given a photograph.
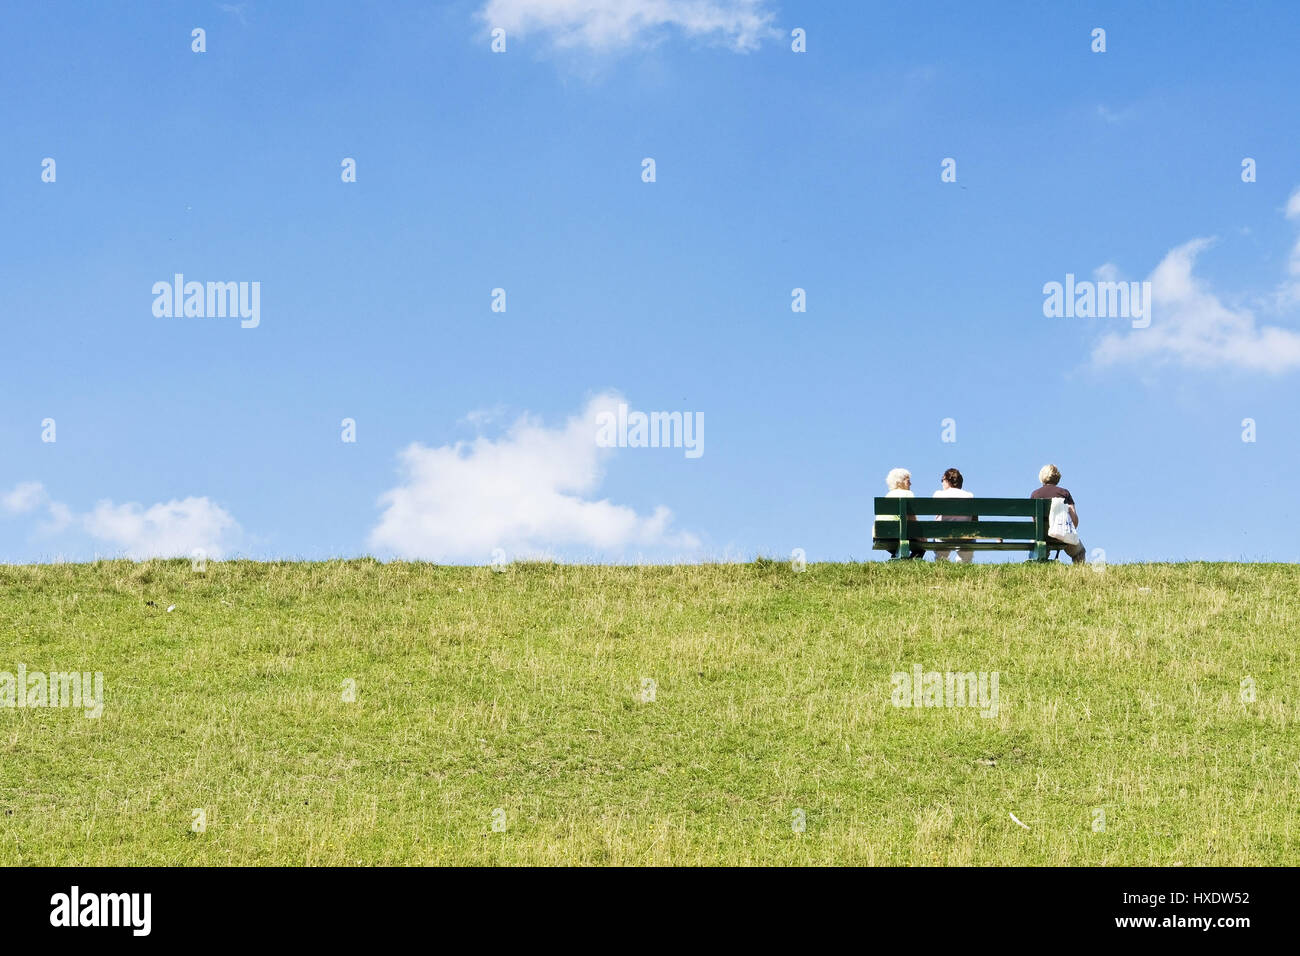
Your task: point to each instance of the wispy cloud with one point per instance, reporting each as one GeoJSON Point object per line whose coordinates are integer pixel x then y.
{"type": "Point", "coordinates": [609, 25]}
{"type": "Point", "coordinates": [1116, 116]}
{"type": "Point", "coordinates": [169, 529]}
{"type": "Point", "coordinates": [529, 492]}
{"type": "Point", "coordinates": [29, 496]}
{"type": "Point", "coordinates": [1191, 325]}
{"type": "Point", "coordinates": [1290, 291]}
{"type": "Point", "coordinates": [234, 8]}
{"type": "Point", "coordinates": [24, 497]}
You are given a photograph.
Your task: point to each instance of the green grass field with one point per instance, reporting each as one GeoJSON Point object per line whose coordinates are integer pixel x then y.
{"type": "Point", "coordinates": [523, 691]}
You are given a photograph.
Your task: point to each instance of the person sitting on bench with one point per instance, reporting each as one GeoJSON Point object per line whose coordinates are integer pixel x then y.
{"type": "Point", "coordinates": [1050, 476]}
{"type": "Point", "coordinates": [899, 482]}
{"type": "Point", "coordinates": [952, 488]}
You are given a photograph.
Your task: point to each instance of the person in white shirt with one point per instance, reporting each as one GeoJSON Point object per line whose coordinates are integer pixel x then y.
{"type": "Point", "coordinates": [899, 482]}
{"type": "Point", "coordinates": [952, 488]}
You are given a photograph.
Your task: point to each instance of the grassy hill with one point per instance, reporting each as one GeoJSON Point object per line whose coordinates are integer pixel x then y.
{"type": "Point", "coordinates": [522, 697]}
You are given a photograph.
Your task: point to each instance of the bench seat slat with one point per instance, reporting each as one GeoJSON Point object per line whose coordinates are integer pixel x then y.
{"type": "Point", "coordinates": [884, 544]}
{"type": "Point", "coordinates": [954, 529]}
{"type": "Point", "coordinates": [990, 507]}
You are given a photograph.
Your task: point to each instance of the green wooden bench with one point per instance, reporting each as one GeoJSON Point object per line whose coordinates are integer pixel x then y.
{"type": "Point", "coordinates": [993, 529]}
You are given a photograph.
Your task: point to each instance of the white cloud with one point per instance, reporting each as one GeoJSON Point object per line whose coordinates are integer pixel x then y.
{"type": "Point", "coordinates": [1290, 292]}
{"type": "Point", "coordinates": [236, 8]}
{"type": "Point", "coordinates": [26, 496]}
{"type": "Point", "coordinates": [528, 492]}
{"type": "Point", "coordinates": [482, 417]}
{"type": "Point", "coordinates": [1121, 115]}
{"type": "Point", "coordinates": [167, 530]}
{"type": "Point", "coordinates": [604, 25]}
{"type": "Point", "coordinates": [1293, 206]}
{"type": "Point", "coordinates": [60, 517]}
{"type": "Point", "coordinates": [1191, 325]}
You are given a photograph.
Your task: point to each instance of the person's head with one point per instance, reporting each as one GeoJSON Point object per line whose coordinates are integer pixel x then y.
{"type": "Point", "coordinates": [1049, 474]}
{"type": "Point", "coordinates": [951, 478]}
{"type": "Point", "coordinates": [899, 478]}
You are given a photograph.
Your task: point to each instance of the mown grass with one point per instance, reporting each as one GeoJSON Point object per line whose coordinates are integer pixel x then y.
{"type": "Point", "coordinates": [520, 691]}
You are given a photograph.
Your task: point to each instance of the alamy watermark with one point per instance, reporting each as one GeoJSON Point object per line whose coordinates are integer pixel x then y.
{"type": "Point", "coordinates": [626, 429]}
{"type": "Point", "coordinates": [1098, 300]}
{"type": "Point", "coordinates": [946, 689]}
{"type": "Point", "coordinates": [75, 908]}
{"type": "Point", "coordinates": [84, 691]}
{"type": "Point", "coordinates": [213, 300]}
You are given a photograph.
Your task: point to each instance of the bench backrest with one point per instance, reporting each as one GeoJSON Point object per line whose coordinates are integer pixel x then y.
{"type": "Point", "coordinates": [993, 518]}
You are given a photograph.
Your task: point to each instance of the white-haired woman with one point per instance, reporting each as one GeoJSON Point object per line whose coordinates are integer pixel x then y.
{"type": "Point", "coordinates": [899, 483]}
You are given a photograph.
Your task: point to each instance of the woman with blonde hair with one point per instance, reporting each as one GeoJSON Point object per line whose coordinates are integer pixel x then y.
{"type": "Point", "coordinates": [899, 483]}
{"type": "Point", "coordinates": [1050, 478]}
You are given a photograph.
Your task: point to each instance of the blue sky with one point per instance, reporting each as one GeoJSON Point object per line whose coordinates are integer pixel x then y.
{"type": "Point", "coordinates": [522, 170]}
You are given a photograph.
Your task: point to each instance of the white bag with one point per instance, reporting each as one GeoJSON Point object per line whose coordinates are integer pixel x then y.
{"type": "Point", "coordinates": [1059, 525]}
